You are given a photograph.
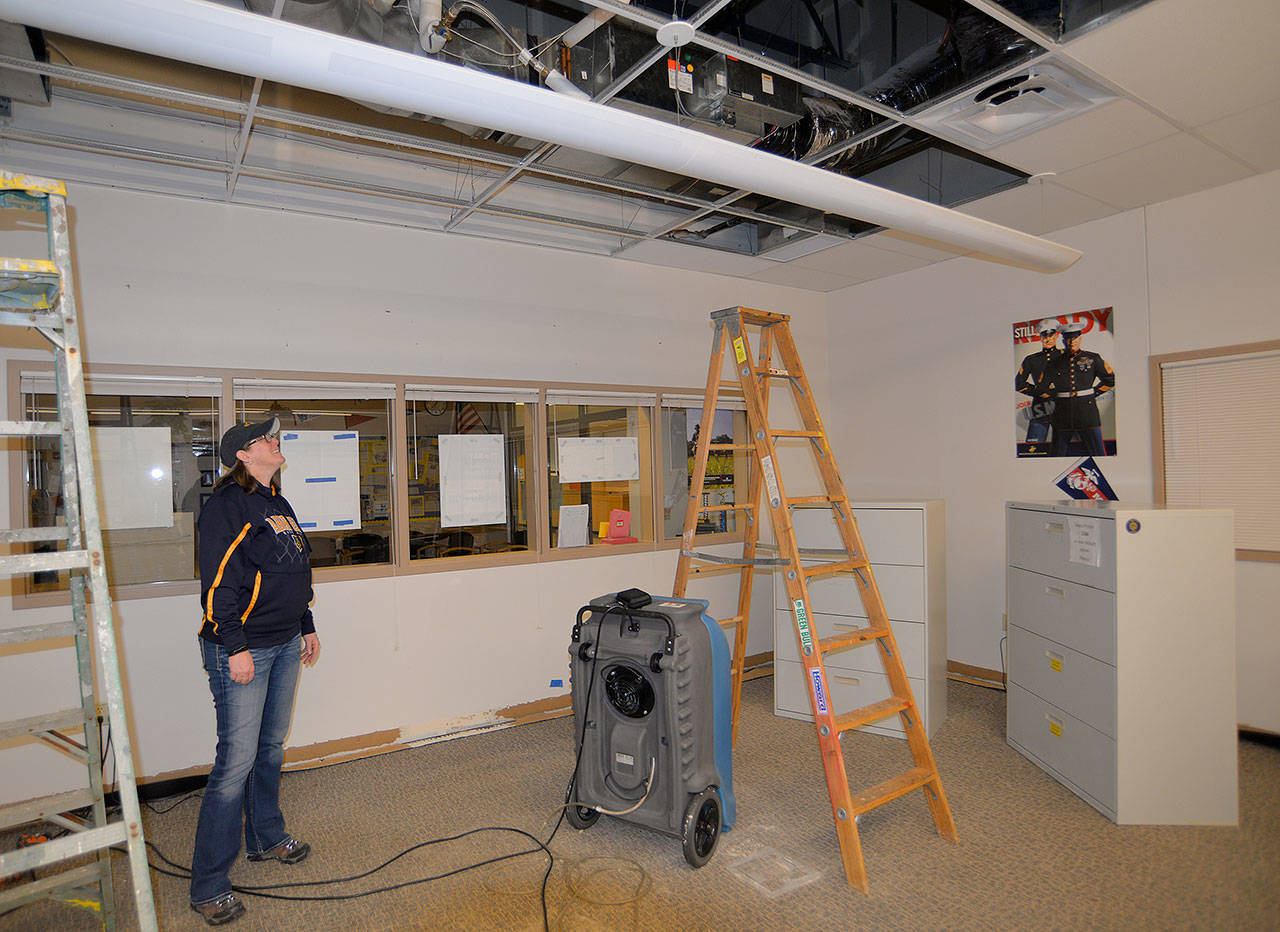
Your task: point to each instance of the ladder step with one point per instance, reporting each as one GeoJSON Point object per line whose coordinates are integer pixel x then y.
{"type": "Point", "coordinates": [730, 622]}
{"type": "Point", "coordinates": [734, 561]}
{"type": "Point", "coordinates": [850, 638]}
{"type": "Point", "coordinates": [75, 878]}
{"type": "Point", "coordinates": [775, 373]}
{"type": "Point", "coordinates": [49, 721]}
{"type": "Point", "coordinates": [29, 283]}
{"type": "Point", "coordinates": [61, 629]}
{"type": "Point", "coordinates": [30, 429]}
{"type": "Point", "coordinates": [731, 446]}
{"type": "Point", "coordinates": [745, 506]}
{"type": "Point", "coordinates": [871, 713]}
{"type": "Point", "coordinates": [64, 848]}
{"type": "Point", "coordinates": [34, 810]}
{"type": "Point", "coordinates": [33, 535]}
{"type": "Point", "coordinates": [892, 788]}
{"type": "Point", "coordinates": [796, 433]}
{"type": "Point", "coordinates": [844, 566]}
{"type": "Point", "coordinates": [824, 500]}
{"type": "Point", "coordinates": [749, 316]}
{"type": "Point", "coordinates": [19, 318]}
{"type": "Point", "coordinates": [36, 562]}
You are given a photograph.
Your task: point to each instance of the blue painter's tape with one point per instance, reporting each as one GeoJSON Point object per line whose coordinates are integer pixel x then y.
{"type": "Point", "coordinates": [290, 436]}
{"type": "Point", "coordinates": [345, 436]}
{"type": "Point", "coordinates": [343, 522]}
{"type": "Point", "coordinates": [321, 479]}
{"type": "Point", "coordinates": [557, 684]}
{"type": "Point", "coordinates": [307, 523]}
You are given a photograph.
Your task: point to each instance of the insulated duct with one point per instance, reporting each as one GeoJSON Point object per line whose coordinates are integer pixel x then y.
{"type": "Point", "coordinates": [217, 37]}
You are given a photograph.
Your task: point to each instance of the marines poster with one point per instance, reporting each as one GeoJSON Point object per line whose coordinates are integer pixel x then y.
{"type": "Point", "coordinates": [1065, 386]}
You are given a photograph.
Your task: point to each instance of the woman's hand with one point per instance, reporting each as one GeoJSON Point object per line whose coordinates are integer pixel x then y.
{"type": "Point", "coordinates": [310, 649]}
{"type": "Point", "coordinates": [241, 665]}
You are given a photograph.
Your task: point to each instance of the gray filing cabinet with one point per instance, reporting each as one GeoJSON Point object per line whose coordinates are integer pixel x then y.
{"type": "Point", "coordinates": [1122, 656]}
{"type": "Point", "coordinates": [907, 547]}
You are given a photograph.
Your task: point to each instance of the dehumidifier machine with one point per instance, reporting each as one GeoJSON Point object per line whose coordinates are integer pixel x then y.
{"type": "Point", "coordinates": [652, 719]}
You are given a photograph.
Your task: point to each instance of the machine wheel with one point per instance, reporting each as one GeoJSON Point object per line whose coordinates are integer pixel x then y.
{"type": "Point", "coordinates": [581, 817]}
{"type": "Point", "coordinates": [701, 828]}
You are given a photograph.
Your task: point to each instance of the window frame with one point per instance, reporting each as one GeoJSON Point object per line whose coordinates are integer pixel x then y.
{"type": "Point", "coordinates": [400, 564]}
{"type": "Point", "coordinates": [725, 399]}
{"type": "Point", "coordinates": [1156, 379]}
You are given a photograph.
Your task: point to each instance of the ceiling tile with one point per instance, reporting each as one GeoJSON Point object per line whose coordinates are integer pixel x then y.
{"type": "Point", "coordinates": [1155, 172]}
{"type": "Point", "coordinates": [694, 258]}
{"type": "Point", "coordinates": [1195, 61]}
{"type": "Point", "coordinates": [858, 261]}
{"type": "Point", "coordinates": [1091, 136]}
{"type": "Point", "coordinates": [1038, 207]}
{"type": "Point", "coordinates": [795, 277]}
{"type": "Point", "coordinates": [1253, 135]}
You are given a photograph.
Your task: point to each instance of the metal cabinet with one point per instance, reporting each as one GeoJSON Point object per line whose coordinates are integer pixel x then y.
{"type": "Point", "coordinates": [1121, 656]}
{"type": "Point", "coordinates": [906, 544]}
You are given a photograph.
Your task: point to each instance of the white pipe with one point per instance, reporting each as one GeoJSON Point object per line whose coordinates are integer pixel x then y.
{"type": "Point", "coordinates": [231, 40]}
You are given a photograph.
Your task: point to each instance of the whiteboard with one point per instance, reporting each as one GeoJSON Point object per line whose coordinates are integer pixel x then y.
{"type": "Point", "coordinates": [321, 478]}
{"type": "Point", "coordinates": [473, 488]}
{"type": "Point", "coordinates": [134, 467]}
{"type": "Point", "coordinates": [598, 459]}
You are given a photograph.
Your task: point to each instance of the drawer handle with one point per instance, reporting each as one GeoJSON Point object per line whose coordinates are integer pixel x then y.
{"type": "Point", "coordinates": [1055, 526]}
{"type": "Point", "coordinates": [1055, 591]}
{"type": "Point", "coordinates": [847, 680]}
{"type": "Point", "coordinates": [1055, 726]}
{"type": "Point", "coordinates": [1055, 661]}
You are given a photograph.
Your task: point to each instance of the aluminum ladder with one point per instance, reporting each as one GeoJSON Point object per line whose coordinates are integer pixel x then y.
{"type": "Point", "coordinates": [755, 379]}
{"type": "Point", "coordinates": [38, 293]}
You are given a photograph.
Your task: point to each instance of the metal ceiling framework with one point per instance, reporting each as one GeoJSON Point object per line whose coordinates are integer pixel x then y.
{"type": "Point", "coordinates": [670, 210]}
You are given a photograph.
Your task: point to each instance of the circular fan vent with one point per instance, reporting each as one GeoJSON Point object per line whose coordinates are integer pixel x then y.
{"type": "Point", "coordinates": [628, 691]}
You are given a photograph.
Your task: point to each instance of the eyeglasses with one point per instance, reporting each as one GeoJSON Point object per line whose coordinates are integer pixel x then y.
{"type": "Point", "coordinates": [274, 438]}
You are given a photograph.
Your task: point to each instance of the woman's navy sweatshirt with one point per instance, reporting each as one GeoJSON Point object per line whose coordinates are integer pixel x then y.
{"type": "Point", "coordinates": [255, 570]}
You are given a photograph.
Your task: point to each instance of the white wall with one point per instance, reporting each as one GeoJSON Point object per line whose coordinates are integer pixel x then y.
{"type": "Point", "coordinates": [927, 354]}
{"type": "Point", "coordinates": [169, 282]}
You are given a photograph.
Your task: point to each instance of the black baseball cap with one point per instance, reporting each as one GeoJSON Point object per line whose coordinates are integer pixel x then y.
{"type": "Point", "coordinates": [241, 435]}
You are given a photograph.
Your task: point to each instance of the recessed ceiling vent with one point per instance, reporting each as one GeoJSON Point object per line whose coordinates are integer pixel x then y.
{"type": "Point", "coordinates": [1013, 106]}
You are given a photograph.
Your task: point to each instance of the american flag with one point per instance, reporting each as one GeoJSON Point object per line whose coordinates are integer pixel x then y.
{"type": "Point", "coordinates": [468, 421]}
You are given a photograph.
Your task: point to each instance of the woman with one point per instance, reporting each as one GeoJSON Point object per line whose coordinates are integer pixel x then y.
{"type": "Point", "coordinates": [255, 581]}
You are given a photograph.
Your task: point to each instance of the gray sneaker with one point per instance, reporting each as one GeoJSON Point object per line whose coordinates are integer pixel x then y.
{"type": "Point", "coordinates": [290, 851]}
{"type": "Point", "coordinates": [224, 909]}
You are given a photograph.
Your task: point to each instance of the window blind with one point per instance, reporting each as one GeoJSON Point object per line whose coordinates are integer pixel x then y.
{"type": "Point", "coordinates": [286, 390]}
{"type": "Point", "coordinates": [1222, 440]}
{"type": "Point", "coordinates": [42, 383]}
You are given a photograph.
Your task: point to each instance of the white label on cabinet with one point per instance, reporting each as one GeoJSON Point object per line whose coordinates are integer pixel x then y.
{"type": "Point", "coordinates": [1084, 541]}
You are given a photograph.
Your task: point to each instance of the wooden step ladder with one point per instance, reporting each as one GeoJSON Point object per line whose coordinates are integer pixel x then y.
{"type": "Point", "coordinates": [755, 380]}
{"type": "Point", "coordinates": [38, 293]}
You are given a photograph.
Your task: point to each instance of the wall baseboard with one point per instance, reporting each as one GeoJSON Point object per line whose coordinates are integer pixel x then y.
{"type": "Point", "coordinates": [977, 676]}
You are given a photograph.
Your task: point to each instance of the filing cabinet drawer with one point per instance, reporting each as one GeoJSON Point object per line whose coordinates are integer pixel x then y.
{"type": "Point", "coordinates": [909, 635]}
{"type": "Point", "coordinates": [1041, 541]}
{"type": "Point", "coordinates": [1074, 682]}
{"type": "Point", "coordinates": [1079, 617]}
{"type": "Point", "coordinates": [901, 587]}
{"type": "Point", "coordinates": [1081, 757]}
{"type": "Point", "coordinates": [891, 535]}
{"type": "Point", "coordinates": [849, 690]}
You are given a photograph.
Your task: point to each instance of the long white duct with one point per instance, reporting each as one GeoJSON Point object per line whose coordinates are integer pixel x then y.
{"type": "Point", "coordinates": [232, 40]}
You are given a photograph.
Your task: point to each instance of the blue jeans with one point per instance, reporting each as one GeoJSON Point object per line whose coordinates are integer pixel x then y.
{"type": "Point", "coordinates": [253, 719]}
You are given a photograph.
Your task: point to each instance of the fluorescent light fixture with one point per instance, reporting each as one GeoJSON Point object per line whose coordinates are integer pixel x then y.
{"type": "Point", "coordinates": [243, 43]}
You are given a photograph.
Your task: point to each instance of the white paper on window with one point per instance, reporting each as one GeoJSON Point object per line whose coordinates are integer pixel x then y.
{"type": "Point", "coordinates": [572, 521]}
{"type": "Point", "coordinates": [598, 459]}
{"type": "Point", "coordinates": [134, 467]}
{"type": "Point", "coordinates": [321, 478]}
{"type": "Point", "coordinates": [473, 488]}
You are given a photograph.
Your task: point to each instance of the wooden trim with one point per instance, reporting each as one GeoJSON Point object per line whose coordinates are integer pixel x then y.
{"type": "Point", "coordinates": [979, 676]}
{"type": "Point", "coordinates": [1259, 556]}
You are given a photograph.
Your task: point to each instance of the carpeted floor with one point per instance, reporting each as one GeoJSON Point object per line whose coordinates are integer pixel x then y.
{"type": "Point", "coordinates": [1030, 856]}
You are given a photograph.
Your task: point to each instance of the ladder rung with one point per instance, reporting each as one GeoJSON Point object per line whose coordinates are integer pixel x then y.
{"type": "Point", "coordinates": [825, 500]}
{"type": "Point", "coordinates": [730, 622]}
{"type": "Point", "coordinates": [29, 283]}
{"type": "Point", "coordinates": [731, 446]}
{"type": "Point", "coordinates": [60, 629]}
{"type": "Point", "coordinates": [892, 788]}
{"type": "Point", "coordinates": [795, 433]}
{"type": "Point", "coordinates": [49, 721]}
{"type": "Point", "coordinates": [775, 373]}
{"type": "Point", "coordinates": [64, 848]}
{"type": "Point", "coordinates": [36, 562]}
{"type": "Point", "coordinates": [46, 319]}
{"type": "Point", "coordinates": [734, 561]}
{"type": "Point", "coordinates": [744, 506]}
{"type": "Point", "coordinates": [33, 535]}
{"type": "Point", "coordinates": [871, 713]}
{"type": "Point", "coordinates": [850, 638]}
{"type": "Point", "coordinates": [76, 877]}
{"type": "Point", "coordinates": [33, 810]}
{"type": "Point", "coordinates": [748, 316]}
{"type": "Point", "coordinates": [30, 429]}
{"type": "Point", "coordinates": [844, 566]}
